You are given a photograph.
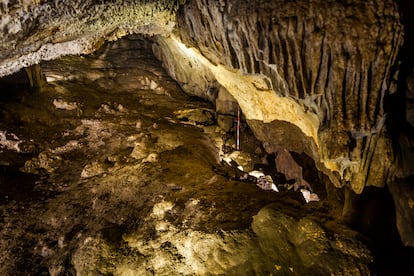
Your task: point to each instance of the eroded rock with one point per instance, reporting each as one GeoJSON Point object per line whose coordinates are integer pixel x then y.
{"type": "Point", "coordinates": [304, 74]}
{"type": "Point", "coordinates": [286, 165]}
{"type": "Point", "coordinates": [337, 88]}
{"type": "Point", "coordinates": [93, 169]}
{"type": "Point", "coordinates": [10, 141]}
{"type": "Point", "coordinates": [197, 116]}
{"type": "Point", "coordinates": [303, 246]}
{"type": "Point", "coordinates": [298, 247]}
{"type": "Point", "coordinates": [403, 195]}
{"type": "Point", "coordinates": [46, 160]}
{"type": "Point", "coordinates": [79, 27]}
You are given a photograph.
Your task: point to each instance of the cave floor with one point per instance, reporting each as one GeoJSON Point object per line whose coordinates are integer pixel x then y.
{"type": "Point", "coordinates": [99, 177]}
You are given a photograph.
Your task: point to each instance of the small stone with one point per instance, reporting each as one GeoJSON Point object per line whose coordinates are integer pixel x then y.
{"type": "Point", "coordinates": [174, 186]}
{"type": "Point", "coordinates": [308, 196]}
{"type": "Point", "coordinates": [152, 158]}
{"type": "Point", "coordinates": [153, 85]}
{"type": "Point", "coordinates": [62, 104]}
{"type": "Point", "coordinates": [139, 151]}
{"type": "Point", "coordinates": [46, 160]}
{"type": "Point", "coordinates": [121, 108]}
{"type": "Point", "coordinates": [93, 169]}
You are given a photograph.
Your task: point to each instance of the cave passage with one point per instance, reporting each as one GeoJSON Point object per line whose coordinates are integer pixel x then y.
{"type": "Point", "coordinates": [111, 169]}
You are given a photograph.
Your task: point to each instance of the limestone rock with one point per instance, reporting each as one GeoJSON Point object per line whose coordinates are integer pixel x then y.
{"type": "Point", "coordinates": [320, 54]}
{"type": "Point", "coordinates": [403, 195]}
{"type": "Point", "coordinates": [62, 104]}
{"type": "Point", "coordinates": [286, 165]}
{"type": "Point", "coordinates": [306, 240]}
{"type": "Point", "coordinates": [45, 30]}
{"type": "Point", "coordinates": [46, 161]}
{"type": "Point", "coordinates": [266, 183]}
{"type": "Point", "coordinates": [140, 150]}
{"type": "Point", "coordinates": [197, 116]}
{"type": "Point", "coordinates": [226, 103]}
{"type": "Point", "coordinates": [280, 244]}
{"type": "Point", "coordinates": [93, 169]}
{"type": "Point", "coordinates": [112, 223]}
{"type": "Point", "coordinates": [243, 159]}
{"type": "Point", "coordinates": [326, 67]}
{"type": "Point", "coordinates": [226, 123]}
{"type": "Point", "coordinates": [151, 158]}
{"type": "Point", "coordinates": [9, 141]}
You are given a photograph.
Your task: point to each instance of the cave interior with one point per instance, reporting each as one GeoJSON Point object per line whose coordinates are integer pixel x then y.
{"type": "Point", "coordinates": [207, 137]}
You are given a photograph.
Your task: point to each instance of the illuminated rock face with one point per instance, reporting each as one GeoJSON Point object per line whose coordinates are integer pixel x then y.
{"type": "Point", "coordinates": [323, 66]}
{"type": "Point", "coordinates": [309, 76]}
{"type": "Point", "coordinates": [122, 177]}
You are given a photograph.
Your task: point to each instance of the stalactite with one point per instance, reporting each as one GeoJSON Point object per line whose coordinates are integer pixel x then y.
{"type": "Point", "coordinates": [36, 79]}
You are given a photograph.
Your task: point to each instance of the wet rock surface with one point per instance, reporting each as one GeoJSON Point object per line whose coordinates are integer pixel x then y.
{"type": "Point", "coordinates": [99, 176]}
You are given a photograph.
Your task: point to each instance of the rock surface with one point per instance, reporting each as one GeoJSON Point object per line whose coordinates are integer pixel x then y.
{"type": "Point", "coordinates": [326, 65]}
{"type": "Point", "coordinates": [102, 194]}
{"type": "Point", "coordinates": [334, 59]}
{"type": "Point", "coordinates": [403, 195]}
{"type": "Point", "coordinates": [32, 31]}
{"type": "Point", "coordinates": [409, 94]}
{"type": "Point", "coordinates": [311, 77]}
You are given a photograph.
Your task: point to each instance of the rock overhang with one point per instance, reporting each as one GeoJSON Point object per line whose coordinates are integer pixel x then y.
{"type": "Point", "coordinates": [323, 67]}
{"type": "Point", "coordinates": [43, 30]}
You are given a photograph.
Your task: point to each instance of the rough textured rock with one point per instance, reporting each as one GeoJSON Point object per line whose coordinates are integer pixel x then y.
{"type": "Point", "coordinates": [286, 165]}
{"type": "Point", "coordinates": [309, 76]}
{"type": "Point", "coordinates": [403, 195]}
{"type": "Point", "coordinates": [307, 241]}
{"type": "Point", "coordinates": [323, 66]}
{"type": "Point", "coordinates": [334, 60]}
{"type": "Point", "coordinates": [226, 103]}
{"type": "Point", "coordinates": [126, 188]}
{"type": "Point", "coordinates": [31, 31]}
{"type": "Point", "coordinates": [184, 66]}
{"type": "Point", "coordinates": [409, 94]}
{"type": "Point", "coordinates": [298, 247]}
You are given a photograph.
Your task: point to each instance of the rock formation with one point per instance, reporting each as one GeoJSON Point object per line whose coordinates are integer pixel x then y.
{"type": "Point", "coordinates": [32, 31]}
{"type": "Point", "coordinates": [113, 170]}
{"type": "Point", "coordinates": [311, 77]}
{"type": "Point", "coordinates": [320, 70]}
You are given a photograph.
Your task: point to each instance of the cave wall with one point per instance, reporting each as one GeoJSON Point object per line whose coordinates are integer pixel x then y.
{"type": "Point", "coordinates": [32, 31]}
{"type": "Point", "coordinates": [334, 60]}
{"type": "Point", "coordinates": [310, 76]}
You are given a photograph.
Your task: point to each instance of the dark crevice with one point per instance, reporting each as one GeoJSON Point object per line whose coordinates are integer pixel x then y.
{"type": "Point", "coordinates": [374, 217]}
